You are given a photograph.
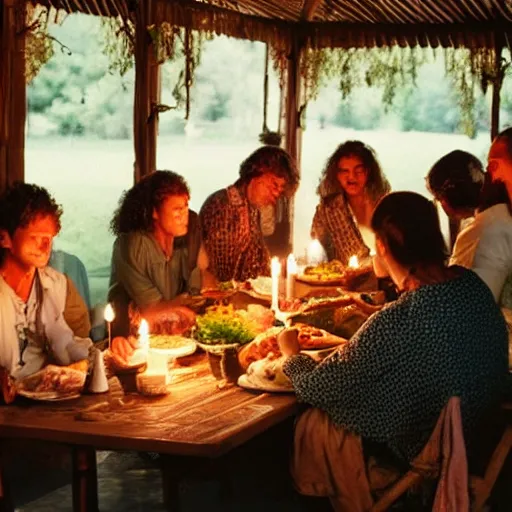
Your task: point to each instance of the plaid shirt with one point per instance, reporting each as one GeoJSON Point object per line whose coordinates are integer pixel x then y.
{"type": "Point", "coordinates": [232, 236]}
{"type": "Point", "coordinates": [334, 226]}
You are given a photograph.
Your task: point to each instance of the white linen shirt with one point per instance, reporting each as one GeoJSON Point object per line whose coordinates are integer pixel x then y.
{"type": "Point", "coordinates": [485, 246]}
{"type": "Point", "coordinates": [15, 317]}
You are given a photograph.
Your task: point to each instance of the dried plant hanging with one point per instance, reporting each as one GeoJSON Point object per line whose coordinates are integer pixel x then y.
{"type": "Point", "coordinates": [119, 43]}
{"type": "Point", "coordinates": [38, 42]}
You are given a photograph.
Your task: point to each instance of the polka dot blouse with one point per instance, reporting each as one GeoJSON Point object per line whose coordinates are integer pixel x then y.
{"type": "Point", "coordinates": [390, 382]}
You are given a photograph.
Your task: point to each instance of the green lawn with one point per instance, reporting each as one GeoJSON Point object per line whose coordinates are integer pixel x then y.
{"type": "Point", "coordinates": [88, 176]}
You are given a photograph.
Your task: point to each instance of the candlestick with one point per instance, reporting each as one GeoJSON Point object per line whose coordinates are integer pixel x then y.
{"type": "Point", "coordinates": [315, 253]}
{"type": "Point", "coordinates": [291, 272]}
{"type": "Point", "coordinates": [275, 272]}
{"type": "Point", "coordinates": [109, 316]}
{"type": "Point", "coordinates": [353, 261]}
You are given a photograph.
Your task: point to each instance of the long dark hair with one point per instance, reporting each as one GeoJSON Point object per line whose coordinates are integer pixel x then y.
{"type": "Point", "coordinates": [377, 185]}
{"type": "Point", "coordinates": [270, 159]}
{"type": "Point", "coordinates": [136, 206]}
{"type": "Point", "coordinates": [458, 178]}
{"type": "Point", "coordinates": [408, 224]}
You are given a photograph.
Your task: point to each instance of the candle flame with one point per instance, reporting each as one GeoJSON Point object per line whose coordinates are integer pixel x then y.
{"type": "Point", "coordinates": [109, 314]}
{"type": "Point", "coordinates": [353, 262]}
{"type": "Point", "coordinates": [143, 328]}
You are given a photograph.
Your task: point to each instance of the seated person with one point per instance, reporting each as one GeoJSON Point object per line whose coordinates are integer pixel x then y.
{"type": "Point", "coordinates": [444, 336]}
{"type": "Point", "coordinates": [485, 245]}
{"type": "Point", "coordinates": [230, 218]}
{"type": "Point", "coordinates": [157, 254]}
{"type": "Point", "coordinates": [33, 296]}
{"type": "Point", "coordinates": [352, 183]}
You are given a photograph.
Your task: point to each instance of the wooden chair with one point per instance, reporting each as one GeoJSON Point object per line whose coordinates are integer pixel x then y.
{"type": "Point", "coordinates": [426, 467]}
{"type": "Point", "coordinates": [481, 488]}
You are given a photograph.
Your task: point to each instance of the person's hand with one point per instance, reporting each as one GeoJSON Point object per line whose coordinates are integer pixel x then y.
{"type": "Point", "coordinates": [288, 342]}
{"type": "Point", "coordinates": [123, 348]}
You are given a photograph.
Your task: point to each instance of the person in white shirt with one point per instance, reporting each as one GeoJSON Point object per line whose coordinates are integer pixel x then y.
{"type": "Point", "coordinates": [485, 245]}
{"type": "Point", "coordinates": [33, 330]}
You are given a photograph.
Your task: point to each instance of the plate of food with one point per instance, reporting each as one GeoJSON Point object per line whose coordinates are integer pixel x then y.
{"type": "Point", "coordinates": [330, 272]}
{"type": "Point", "coordinates": [52, 383]}
{"type": "Point", "coordinates": [267, 375]}
{"type": "Point", "coordinates": [172, 345]}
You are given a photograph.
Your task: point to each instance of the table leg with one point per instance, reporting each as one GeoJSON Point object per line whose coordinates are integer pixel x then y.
{"type": "Point", "coordinates": [5, 496]}
{"type": "Point", "coordinates": [170, 485]}
{"type": "Point", "coordinates": [85, 480]}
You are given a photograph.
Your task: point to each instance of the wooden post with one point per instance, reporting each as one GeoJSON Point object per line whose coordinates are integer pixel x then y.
{"type": "Point", "coordinates": [147, 92]}
{"type": "Point", "coordinates": [292, 139]}
{"type": "Point", "coordinates": [496, 89]}
{"type": "Point", "coordinates": [85, 479]}
{"type": "Point", "coordinates": [12, 91]}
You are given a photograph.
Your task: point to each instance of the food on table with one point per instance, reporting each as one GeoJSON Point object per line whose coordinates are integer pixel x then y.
{"type": "Point", "coordinates": [267, 374]}
{"type": "Point", "coordinates": [8, 386]}
{"type": "Point", "coordinates": [342, 321]}
{"type": "Point", "coordinates": [309, 338]}
{"type": "Point", "coordinates": [261, 285]}
{"type": "Point", "coordinates": [175, 320]}
{"type": "Point", "coordinates": [225, 325]}
{"type": "Point", "coordinates": [333, 272]}
{"type": "Point", "coordinates": [126, 352]}
{"type": "Point", "coordinates": [58, 379]}
{"type": "Point", "coordinates": [171, 345]}
{"type": "Point", "coordinates": [82, 365]}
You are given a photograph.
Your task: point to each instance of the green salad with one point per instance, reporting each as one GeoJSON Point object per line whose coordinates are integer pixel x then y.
{"type": "Point", "coordinates": [224, 325]}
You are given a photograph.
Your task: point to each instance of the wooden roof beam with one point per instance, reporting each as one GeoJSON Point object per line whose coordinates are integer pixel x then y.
{"type": "Point", "coordinates": [309, 9]}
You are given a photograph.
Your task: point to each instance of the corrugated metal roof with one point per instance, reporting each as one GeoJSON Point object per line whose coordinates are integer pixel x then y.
{"type": "Point", "coordinates": [336, 23]}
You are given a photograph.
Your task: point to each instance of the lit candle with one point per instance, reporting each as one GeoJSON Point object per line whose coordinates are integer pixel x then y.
{"type": "Point", "coordinates": [353, 262]}
{"type": "Point", "coordinates": [275, 272]}
{"type": "Point", "coordinates": [291, 272]}
{"type": "Point", "coordinates": [109, 316]}
{"type": "Point", "coordinates": [315, 253]}
{"type": "Point", "coordinates": [144, 335]}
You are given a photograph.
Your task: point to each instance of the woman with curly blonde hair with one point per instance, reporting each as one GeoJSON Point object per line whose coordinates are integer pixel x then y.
{"type": "Point", "coordinates": [351, 184]}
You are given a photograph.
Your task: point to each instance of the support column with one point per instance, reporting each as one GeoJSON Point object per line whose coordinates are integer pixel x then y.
{"type": "Point", "coordinates": [147, 92]}
{"type": "Point", "coordinates": [12, 92]}
{"type": "Point", "coordinates": [496, 89]}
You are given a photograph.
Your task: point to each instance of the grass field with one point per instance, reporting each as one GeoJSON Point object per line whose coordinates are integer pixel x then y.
{"type": "Point", "coordinates": [88, 176]}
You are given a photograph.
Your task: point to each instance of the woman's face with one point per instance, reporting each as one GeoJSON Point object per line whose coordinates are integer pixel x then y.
{"type": "Point", "coordinates": [352, 175]}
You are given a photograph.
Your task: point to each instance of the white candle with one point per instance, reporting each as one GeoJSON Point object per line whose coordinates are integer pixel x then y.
{"type": "Point", "coordinates": [109, 316]}
{"type": "Point", "coordinates": [144, 335]}
{"type": "Point", "coordinates": [353, 262]}
{"type": "Point", "coordinates": [315, 253]}
{"type": "Point", "coordinates": [291, 272]}
{"type": "Point", "coordinates": [275, 272]}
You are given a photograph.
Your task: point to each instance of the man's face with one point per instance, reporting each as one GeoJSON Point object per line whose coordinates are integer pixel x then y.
{"type": "Point", "coordinates": [266, 189]}
{"type": "Point", "coordinates": [352, 175]}
{"type": "Point", "coordinates": [31, 245]}
{"type": "Point", "coordinates": [499, 162]}
{"type": "Point", "coordinates": [172, 216]}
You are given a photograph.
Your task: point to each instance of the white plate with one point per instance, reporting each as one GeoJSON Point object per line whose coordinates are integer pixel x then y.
{"type": "Point", "coordinates": [244, 382]}
{"type": "Point", "coordinates": [47, 396]}
{"type": "Point", "coordinates": [189, 347]}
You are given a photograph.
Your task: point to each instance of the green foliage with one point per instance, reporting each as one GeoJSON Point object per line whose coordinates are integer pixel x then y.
{"type": "Point", "coordinates": [119, 44]}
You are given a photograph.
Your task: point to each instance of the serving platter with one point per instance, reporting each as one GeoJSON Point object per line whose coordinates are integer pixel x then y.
{"type": "Point", "coordinates": [48, 396]}
{"type": "Point", "coordinates": [244, 382]}
{"type": "Point", "coordinates": [188, 347]}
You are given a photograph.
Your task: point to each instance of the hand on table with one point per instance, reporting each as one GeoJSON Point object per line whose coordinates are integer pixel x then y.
{"type": "Point", "coordinates": [288, 342]}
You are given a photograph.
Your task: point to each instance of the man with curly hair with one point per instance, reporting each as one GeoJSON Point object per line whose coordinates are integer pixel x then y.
{"type": "Point", "coordinates": [33, 297]}
{"type": "Point", "coordinates": [157, 253]}
{"type": "Point", "coordinates": [230, 218]}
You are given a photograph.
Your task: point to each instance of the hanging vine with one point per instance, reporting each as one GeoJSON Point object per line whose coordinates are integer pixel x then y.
{"type": "Point", "coordinates": [39, 46]}
{"type": "Point", "coordinates": [119, 44]}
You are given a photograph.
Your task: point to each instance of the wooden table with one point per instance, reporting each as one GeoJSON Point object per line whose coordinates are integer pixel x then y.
{"type": "Point", "coordinates": [196, 419]}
